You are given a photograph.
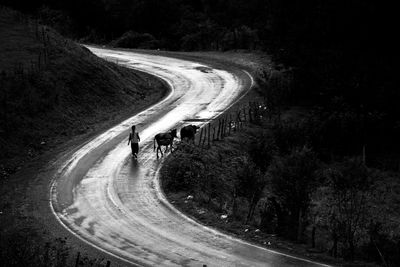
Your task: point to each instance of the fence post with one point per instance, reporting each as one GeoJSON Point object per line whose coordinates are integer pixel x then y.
{"type": "Point", "coordinates": [201, 135]}
{"type": "Point", "coordinates": [213, 133]}
{"type": "Point", "coordinates": [230, 123]}
{"type": "Point", "coordinates": [225, 125]}
{"type": "Point", "coordinates": [223, 128]}
{"type": "Point", "coordinates": [205, 136]}
{"type": "Point", "coordinates": [209, 134]}
{"type": "Point", "coordinates": [219, 129]}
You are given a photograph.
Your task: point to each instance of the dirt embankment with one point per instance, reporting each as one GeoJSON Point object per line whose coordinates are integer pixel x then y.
{"type": "Point", "coordinates": [55, 95]}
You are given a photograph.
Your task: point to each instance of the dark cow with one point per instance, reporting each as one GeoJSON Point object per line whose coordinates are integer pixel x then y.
{"type": "Point", "coordinates": [164, 139]}
{"type": "Point", "coordinates": [188, 132]}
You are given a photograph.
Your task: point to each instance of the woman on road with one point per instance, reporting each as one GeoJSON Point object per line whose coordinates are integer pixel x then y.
{"type": "Point", "coordinates": [134, 139]}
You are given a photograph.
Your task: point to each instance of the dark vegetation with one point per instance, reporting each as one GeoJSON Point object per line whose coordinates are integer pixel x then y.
{"type": "Point", "coordinates": [270, 185]}
{"type": "Point", "coordinates": [23, 249]}
{"type": "Point", "coordinates": [329, 180]}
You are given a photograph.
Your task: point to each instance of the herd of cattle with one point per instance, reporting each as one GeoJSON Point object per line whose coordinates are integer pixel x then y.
{"type": "Point", "coordinates": [166, 139]}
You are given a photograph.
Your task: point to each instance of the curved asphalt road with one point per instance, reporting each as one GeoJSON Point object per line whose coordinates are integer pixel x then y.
{"type": "Point", "coordinates": [114, 203]}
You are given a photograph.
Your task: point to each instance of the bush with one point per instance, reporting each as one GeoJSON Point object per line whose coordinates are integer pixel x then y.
{"type": "Point", "coordinates": [133, 39]}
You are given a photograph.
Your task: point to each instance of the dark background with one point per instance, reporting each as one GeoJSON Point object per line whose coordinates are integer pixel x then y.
{"type": "Point", "coordinates": [341, 53]}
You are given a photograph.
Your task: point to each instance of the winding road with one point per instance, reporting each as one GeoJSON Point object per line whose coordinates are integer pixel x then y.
{"type": "Point", "coordinates": [115, 203]}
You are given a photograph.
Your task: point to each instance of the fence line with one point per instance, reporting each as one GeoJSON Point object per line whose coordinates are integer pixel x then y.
{"type": "Point", "coordinates": [229, 123]}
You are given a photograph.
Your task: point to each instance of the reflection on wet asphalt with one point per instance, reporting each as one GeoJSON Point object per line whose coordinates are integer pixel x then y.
{"type": "Point", "coordinates": [115, 203]}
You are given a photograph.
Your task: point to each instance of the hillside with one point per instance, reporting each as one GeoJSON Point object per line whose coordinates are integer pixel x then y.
{"type": "Point", "coordinates": [53, 89]}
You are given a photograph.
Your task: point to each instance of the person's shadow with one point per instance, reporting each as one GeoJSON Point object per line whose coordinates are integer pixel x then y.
{"type": "Point", "coordinates": [134, 167]}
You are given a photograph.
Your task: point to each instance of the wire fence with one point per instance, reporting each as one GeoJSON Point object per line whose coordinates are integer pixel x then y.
{"type": "Point", "coordinates": [230, 123]}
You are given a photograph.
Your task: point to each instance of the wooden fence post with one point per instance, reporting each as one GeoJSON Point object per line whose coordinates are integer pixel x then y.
{"type": "Point", "coordinates": [201, 135]}
{"type": "Point", "coordinates": [226, 124]}
{"type": "Point", "coordinates": [223, 129]}
{"type": "Point", "coordinates": [209, 134]}
{"type": "Point", "coordinates": [238, 118]}
{"type": "Point", "coordinates": [229, 124]}
{"type": "Point", "coordinates": [213, 139]}
{"type": "Point", "coordinates": [205, 136]}
{"type": "Point", "coordinates": [219, 129]}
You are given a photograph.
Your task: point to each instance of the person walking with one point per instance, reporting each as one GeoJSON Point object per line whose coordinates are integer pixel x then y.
{"type": "Point", "coordinates": [134, 140]}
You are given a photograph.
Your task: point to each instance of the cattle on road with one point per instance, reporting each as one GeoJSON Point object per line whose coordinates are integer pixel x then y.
{"type": "Point", "coordinates": [164, 139]}
{"type": "Point", "coordinates": [188, 132]}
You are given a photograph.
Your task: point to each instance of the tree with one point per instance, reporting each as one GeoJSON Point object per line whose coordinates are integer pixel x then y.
{"type": "Point", "coordinates": [291, 180]}
{"type": "Point", "coordinates": [344, 204]}
{"type": "Point", "coordinates": [250, 184]}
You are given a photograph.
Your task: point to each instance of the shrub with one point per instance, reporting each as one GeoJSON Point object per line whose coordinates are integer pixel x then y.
{"type": "Point", "coordinates": [133, 39]}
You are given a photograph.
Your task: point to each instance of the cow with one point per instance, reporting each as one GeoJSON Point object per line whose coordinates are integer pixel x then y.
{"type": "Point", "coordinates": [164, 139]}
{"type": "Point", "coordinates": [188, 132]}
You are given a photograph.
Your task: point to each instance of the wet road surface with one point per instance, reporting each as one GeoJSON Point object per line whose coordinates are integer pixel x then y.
{"type": "Point", "coordinates": [115, 203]}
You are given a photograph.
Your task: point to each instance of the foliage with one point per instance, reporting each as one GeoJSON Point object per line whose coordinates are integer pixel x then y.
{"type": "Point", "coordinates": [250, 183]}
{"type": "Point", "coordinates": [356, 211]}
{"type": "Point", "coordinates": [262, 148]}
{"type": "Point", "coordinates": [289, 135]}
{"type": "Point", "coordinates": [227, 179]}
{"type": "Point", "coordinates": [20, 249]}
{"type": "Point", "coordinates": [197, 171]}
{"type": "Point", "coordinates": [132, 39]}
{"type": "Point", "coordinates": [274, 181]}
{"type": "Point", "coordinates": [344, 204]}
{"type": "Point", "coordinates": [291, 181]}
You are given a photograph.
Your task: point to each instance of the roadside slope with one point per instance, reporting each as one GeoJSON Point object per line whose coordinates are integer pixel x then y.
{"type": "Point", "coordinates": [54, 96]}
{"type": "Point", "coordinates": [52, 89]}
